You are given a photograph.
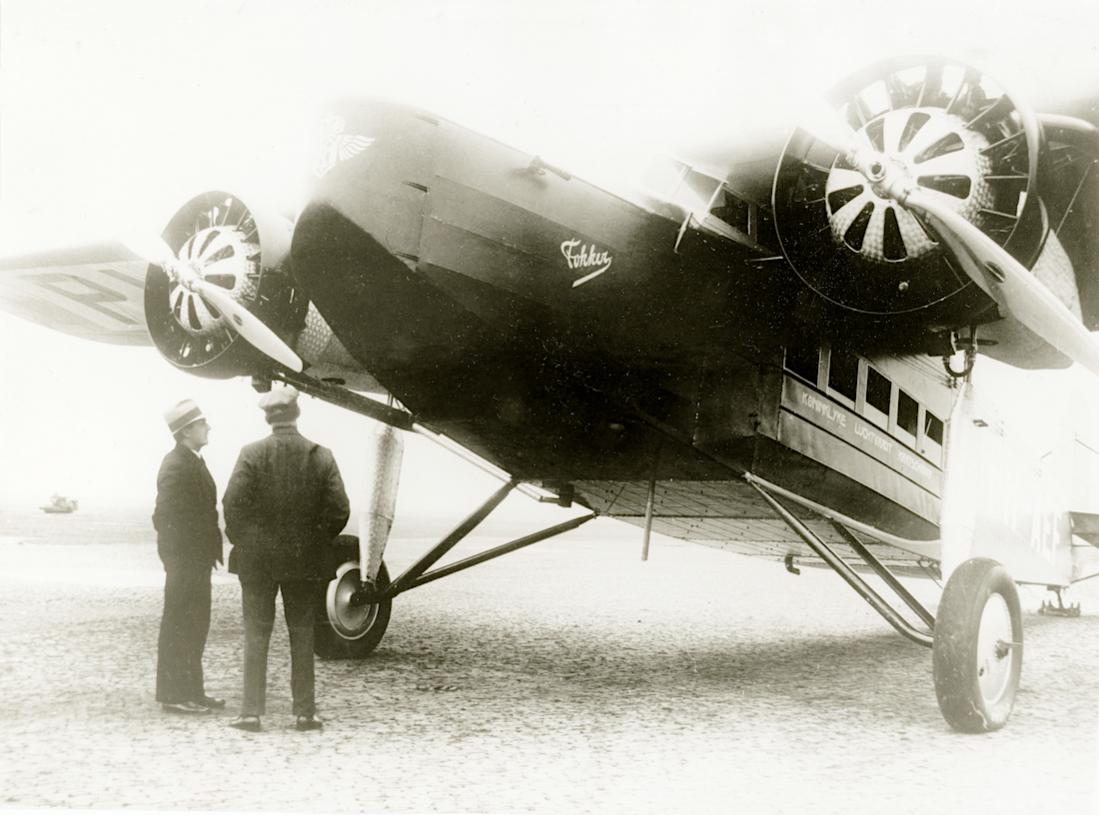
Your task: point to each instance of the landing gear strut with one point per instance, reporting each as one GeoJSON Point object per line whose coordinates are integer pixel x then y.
{"type": "Point", "coordinates": [356, 613]}
{"type": "Point", "coordinates": [977, 636]}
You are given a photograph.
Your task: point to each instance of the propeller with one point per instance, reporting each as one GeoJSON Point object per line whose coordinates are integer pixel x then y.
{"type": "Point", "coordinates": [1015, 290]}
{"type": "Point", "coordinates": [154, 250]}
{"type": "Point", "coordinates": [829, 127]}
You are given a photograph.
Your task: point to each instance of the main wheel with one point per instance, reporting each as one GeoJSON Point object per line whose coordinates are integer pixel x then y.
{"type": "Point", "coordinates": [977, 653]}
{"type": "Point", "coordinates": [356, 630]}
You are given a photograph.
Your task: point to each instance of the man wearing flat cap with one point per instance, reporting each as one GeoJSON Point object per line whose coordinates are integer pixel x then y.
{"type": "Point", "coordinates": [285, 502]}
{"type": "Point", "coordinates": [188, 541]}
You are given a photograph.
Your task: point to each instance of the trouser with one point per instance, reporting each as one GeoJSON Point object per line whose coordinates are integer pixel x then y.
{"type": "Point", "coordinates": [258, 602]}
{"type": "Point", "coordinates": [183, 629]}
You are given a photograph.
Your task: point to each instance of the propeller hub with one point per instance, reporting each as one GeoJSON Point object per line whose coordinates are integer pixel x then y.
{"type": "Point", "coordinates": [219, 255]}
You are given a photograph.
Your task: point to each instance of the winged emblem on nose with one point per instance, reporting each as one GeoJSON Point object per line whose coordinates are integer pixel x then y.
{"type": "Point", "coordinates": [337, 146]}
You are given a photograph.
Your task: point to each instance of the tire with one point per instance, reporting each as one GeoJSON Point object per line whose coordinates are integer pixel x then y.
{"type": "Point", "coordinates": [976, 670]}
{"type": "Point", "coordinates": [329, 643]}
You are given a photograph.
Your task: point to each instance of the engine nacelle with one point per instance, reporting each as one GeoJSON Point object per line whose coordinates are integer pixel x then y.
{"type": "Point", "coordinates": [245, 251]}
{"type": "Point", "coordinates": [951, 130]}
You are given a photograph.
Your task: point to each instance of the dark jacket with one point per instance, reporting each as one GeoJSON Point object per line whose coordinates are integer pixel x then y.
{"type": "Point", "coordinates": [186, 514]}
{"type": "Point", "coordinates": [285, 502]}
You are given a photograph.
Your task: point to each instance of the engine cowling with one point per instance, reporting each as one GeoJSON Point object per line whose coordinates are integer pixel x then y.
{"type": "Point", "coordinates": [244, 250]}
{"type": "Point", "coordinates": [952, 130]}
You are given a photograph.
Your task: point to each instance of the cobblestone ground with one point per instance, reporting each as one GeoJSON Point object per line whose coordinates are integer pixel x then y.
{"type": "Point", "coordinates": [567, 677]}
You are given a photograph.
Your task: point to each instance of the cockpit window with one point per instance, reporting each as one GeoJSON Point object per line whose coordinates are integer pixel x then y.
{"type": "Point", "coordinates": [674, 181]}
{"type": "Point", "coordinates": [734, 211]}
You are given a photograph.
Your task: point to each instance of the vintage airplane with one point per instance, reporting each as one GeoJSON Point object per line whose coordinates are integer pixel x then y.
{"type": "Point", "coordinates": [763, 357]}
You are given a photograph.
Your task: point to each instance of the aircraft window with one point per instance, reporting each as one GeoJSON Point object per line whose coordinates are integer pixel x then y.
{"type": "Point", "coordinates": [803, 360]}
{"type": "Point", "coordinates": [843, 374]}
{"type": "Point", "coordinates": [933, 427]}
{"type": "Point", "coordinates": [664, 176]}
{"type": "Point", "coordinates": [674, 181]}
{"type": "Point", "coordinates": [878, 389]}
{"type": "Point", "coordinates": [733, 211]}
{"type": "Point", "coordinates": [765, 228]}
{"type": "Point", "coordinates": [908, 413]}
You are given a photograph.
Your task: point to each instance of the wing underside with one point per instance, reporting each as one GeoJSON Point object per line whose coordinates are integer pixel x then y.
{"type": "Point", "coordinates": [730, 515]}
{"type": "Point", "coordinates": [95, 292]}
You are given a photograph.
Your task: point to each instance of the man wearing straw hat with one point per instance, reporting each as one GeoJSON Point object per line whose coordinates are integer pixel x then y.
{"type": "Point", "coordinates": [285, 501]}
{"type": "Point", "coordinates": [188, 541]}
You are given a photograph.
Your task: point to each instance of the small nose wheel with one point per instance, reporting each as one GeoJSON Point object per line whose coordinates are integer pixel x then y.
{"type": "Point", "coordinates": [977, 654]}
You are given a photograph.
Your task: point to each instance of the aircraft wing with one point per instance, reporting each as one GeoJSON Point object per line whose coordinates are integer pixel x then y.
{"type": "Point", "coordinates": [96, 292]}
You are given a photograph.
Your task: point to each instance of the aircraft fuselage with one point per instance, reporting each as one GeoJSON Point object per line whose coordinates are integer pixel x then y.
{"type": "Point", "coordinates": [541, 322]}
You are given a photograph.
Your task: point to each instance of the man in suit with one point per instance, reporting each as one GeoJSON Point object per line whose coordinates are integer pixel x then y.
{"type": "Point", "coordinates": [285, 502]}
{"type": "Point", "coordinates": [188, 541]}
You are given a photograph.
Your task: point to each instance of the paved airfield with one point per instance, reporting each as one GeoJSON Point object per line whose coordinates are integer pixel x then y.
{"type": "Point", "coordinates": [566, 677]}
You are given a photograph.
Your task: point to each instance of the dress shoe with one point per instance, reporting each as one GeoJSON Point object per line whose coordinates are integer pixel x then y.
{"type": "Point", "coordinates": [187, 708]}
{"type": "Point", "coordinates": [249, 723]}
{"type": "Point", "coordinates": [210, 703]}
{"type": "Point", "coordinates": [313, 722]}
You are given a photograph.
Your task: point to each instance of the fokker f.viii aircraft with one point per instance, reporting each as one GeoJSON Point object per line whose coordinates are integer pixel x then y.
{"type": "Point", "coordinates": [765, 360]}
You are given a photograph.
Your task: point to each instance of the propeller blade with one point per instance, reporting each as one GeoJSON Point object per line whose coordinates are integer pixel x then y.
{"type": "Point", "coordinates": [248, 325]}
{"type": "Point", "coordinates": [1016, 291]}
{"type": "Point", "coordinates": [155, 251]}
{"type": "Point", "coordinates": [152, 249]}
{"type": "Point", "coordinates": [828, 126]}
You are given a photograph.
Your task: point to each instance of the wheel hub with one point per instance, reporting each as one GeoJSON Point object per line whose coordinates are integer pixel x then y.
{"type": "Point", "coordinates": [349, 616]}
{"type": "Point", "coordinates": [994, 650]}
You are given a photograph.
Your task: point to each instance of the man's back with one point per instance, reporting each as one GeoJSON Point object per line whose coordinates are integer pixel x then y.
{"type": "Point", "coordinates": [285, 500]}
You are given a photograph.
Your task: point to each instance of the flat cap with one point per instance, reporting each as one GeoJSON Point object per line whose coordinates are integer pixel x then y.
{"type": "Point", "coordinates": [279, 397]}
{"type": "Point", "coordinates": [280, 404]}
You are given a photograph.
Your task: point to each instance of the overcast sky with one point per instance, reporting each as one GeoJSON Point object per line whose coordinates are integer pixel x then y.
{"type": "Point", "coordinates": [112, 113]}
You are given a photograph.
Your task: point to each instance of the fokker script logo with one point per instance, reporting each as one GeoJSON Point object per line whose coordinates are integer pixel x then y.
{"type": "Point", "coordinates": [337, 146]}
{"type": "Point", "coordinates": [582, 256]}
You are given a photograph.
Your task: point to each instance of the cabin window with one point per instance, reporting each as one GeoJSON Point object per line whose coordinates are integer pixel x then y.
{"type": "Point", "coordinates": [931, 444]}
{"type": "Point", "coordinates": [878, 393]}
{"type": "Point", "coordinates": [933, 428]}
{"type": "Point", "coordinates": [843, 374]}
{"type": "Point", "coordinates": [803, 360]}
{"type": "Point", "coordinates": [908, 414]}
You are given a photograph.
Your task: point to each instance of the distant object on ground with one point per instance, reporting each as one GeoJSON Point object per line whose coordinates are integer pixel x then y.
{"type": "Point", "coordinates": [59, 504]}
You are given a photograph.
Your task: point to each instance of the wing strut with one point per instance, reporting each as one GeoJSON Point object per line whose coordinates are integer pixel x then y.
{"type": "Point", "coordinates": [649, 502]}
{"type": "Point", "coordinates": [844, 570]}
